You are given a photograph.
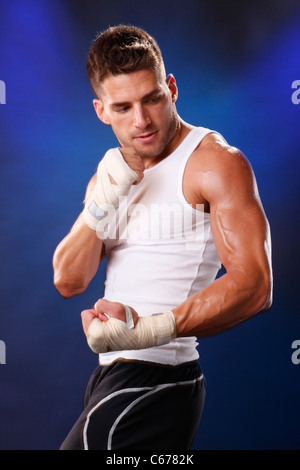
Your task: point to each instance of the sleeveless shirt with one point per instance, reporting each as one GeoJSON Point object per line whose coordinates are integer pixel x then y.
{"type": "Point", "coordinates": [160, 251]}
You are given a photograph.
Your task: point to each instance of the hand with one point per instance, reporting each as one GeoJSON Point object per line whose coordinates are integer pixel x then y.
{"type": "Point", "coordinates": [113, 309]}
{"type": "Point", "coordinates": [134, 160]}
{"type": "Point", "coordinates": [102, 307]}
{"type": "Point", "coordinates": [87, 316]}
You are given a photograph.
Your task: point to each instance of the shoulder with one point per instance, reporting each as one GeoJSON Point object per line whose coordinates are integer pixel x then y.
{"type": "Point", "coordinates": [215, 153]}
{"type": "Point", "coordinates": [220, 168]}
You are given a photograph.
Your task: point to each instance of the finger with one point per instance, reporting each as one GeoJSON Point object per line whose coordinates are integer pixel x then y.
{"type": "Point", "coordinates": [98, 304]}
{"type": "Point", "coordinates": [87, 317]}
{"type": "Point", "coordinates": [131, 157]}
{"type": "Point", "coordinates": [140, 177]}
{"type": "Point", "coordinates": [127, 150]}
{"type": "Point", "coordinates": [135, 161]}
{"type": "Point", "coordinates": [88, 314]}
{"type": "Point", "coordinates": [112, 309]}
{"type": "Point", "coordinates": [103, 308]}
{"type": "Point", "coordinates": [137, 165]}
{"type": "Point", "coordinates": [103, 316]}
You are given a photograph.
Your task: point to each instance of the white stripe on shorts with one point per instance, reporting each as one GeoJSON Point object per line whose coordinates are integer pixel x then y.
{"type": "Point", "coordinates": [151, 391]}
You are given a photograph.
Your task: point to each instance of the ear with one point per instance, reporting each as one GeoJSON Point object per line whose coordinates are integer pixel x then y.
{"type": "Point", "coordinates": [171, 84]}
{"type": "Point", "coordinates": [99, 108]}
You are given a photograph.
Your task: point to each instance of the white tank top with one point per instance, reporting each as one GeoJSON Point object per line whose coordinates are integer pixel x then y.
{"type": "Point", "coordinates": [160, 251]}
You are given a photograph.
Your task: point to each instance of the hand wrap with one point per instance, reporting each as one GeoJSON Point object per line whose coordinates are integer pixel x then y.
{"type": "Point", "coordinates": [115, 335]}
{"type": "Point", "coordinates": [104, 200]}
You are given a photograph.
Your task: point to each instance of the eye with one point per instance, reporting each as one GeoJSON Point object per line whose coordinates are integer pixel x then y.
{"type": "Point", "coordinates": [123, 109]}
{"type": "Point", "coordinates": [154, 99]}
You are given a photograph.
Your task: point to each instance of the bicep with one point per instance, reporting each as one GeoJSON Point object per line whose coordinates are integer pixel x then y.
{"type": "Point", "coordinates": [90, 186]}
{"type": "Point", "coordinates": [238, 222]}
{"type": "Point", "coordinates": [241, 234]}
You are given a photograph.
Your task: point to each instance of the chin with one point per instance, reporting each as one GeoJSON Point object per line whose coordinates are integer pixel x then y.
{"type": "Point", "coordinates": [147, 155]}
{"type": "Point", "coordinates": [150, 152]}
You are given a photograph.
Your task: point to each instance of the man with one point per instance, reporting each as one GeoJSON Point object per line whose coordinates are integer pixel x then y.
{"type": "Point", "coordinates": [167, 208]}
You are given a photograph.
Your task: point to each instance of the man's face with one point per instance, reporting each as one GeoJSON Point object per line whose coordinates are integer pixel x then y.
{"type": "Point", "coordinates": [140, 107]}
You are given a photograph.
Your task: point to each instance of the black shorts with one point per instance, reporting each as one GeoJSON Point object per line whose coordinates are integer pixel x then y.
{"type": "Point", "coordinates": [140, 406]}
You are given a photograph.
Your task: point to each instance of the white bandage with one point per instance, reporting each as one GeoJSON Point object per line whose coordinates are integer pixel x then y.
{"type": "Point", "coordinates": [129, 317]}
{"type": "Point", "coordinates": [105, 197]}
{"type": "Point", "coordinates": [115, 335]}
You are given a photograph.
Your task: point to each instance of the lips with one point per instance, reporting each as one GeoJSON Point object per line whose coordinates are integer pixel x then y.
{"type": "Point", "coordinates": [147, 137]}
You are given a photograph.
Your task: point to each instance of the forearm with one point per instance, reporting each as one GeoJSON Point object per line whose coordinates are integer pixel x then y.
{"type": "Point", "coordinates": [76, 259]}
{"type": "Point", "coordinates": [224, 304]}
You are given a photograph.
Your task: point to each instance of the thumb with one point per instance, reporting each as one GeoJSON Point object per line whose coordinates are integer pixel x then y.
{"type": "Point", "coordinates": [87, 316]}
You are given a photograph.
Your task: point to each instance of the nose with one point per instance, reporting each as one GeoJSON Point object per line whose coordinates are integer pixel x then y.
{"type": "Point", "coordinates": [141, 118]}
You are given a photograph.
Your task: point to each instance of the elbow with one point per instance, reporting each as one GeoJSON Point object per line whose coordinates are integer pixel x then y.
{"type": "Point", "coordinates": [268, 298]}
{"type": "Point", "coordinates": [67, 288]}
{"type": "Point", "coordinates": [264, 289]}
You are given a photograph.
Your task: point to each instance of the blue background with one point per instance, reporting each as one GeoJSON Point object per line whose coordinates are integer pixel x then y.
{"type": "Point", "coordinates": [234, 62]}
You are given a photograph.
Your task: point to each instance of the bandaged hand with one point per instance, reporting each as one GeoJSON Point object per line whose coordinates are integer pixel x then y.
{"type": "Point", "coordinates": [107, 333]}
{"type": "Point", "coordinates": [116, 173]}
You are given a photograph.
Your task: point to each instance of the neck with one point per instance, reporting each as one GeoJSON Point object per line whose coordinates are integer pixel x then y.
{"type": "Point", "coordinates": [181, 129]}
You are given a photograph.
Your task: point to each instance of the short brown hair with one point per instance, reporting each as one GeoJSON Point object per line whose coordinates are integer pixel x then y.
{"type": "Point", "coordinates": [122, 49]}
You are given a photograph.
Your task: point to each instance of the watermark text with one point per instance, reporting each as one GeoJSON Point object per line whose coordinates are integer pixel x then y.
{"type": "Point", "coordinates": [158, 222]}
{"type": "Point", "coordinates": [2, 352]}
{"type": "Point", "coordinates": [2, 92]}
{"type": "Point", "coordinates": [296, 94]}
{"type": "Point", "coordinates": [296, 354]}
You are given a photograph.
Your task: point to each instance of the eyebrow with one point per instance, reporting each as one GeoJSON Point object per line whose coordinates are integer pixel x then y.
{"type": "Point", "coordinates": [157, 91]}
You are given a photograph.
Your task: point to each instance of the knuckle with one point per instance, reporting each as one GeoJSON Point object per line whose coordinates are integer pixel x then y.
{"type": "Point", "coordinates": [120, 308]}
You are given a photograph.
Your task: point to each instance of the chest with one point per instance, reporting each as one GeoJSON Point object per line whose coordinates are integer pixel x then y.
{"type": "Point", "coordinates": [191, 184]}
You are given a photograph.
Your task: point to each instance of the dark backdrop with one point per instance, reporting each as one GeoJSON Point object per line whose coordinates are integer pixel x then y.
{"type": "Point", "coordinates": [235, 62]}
